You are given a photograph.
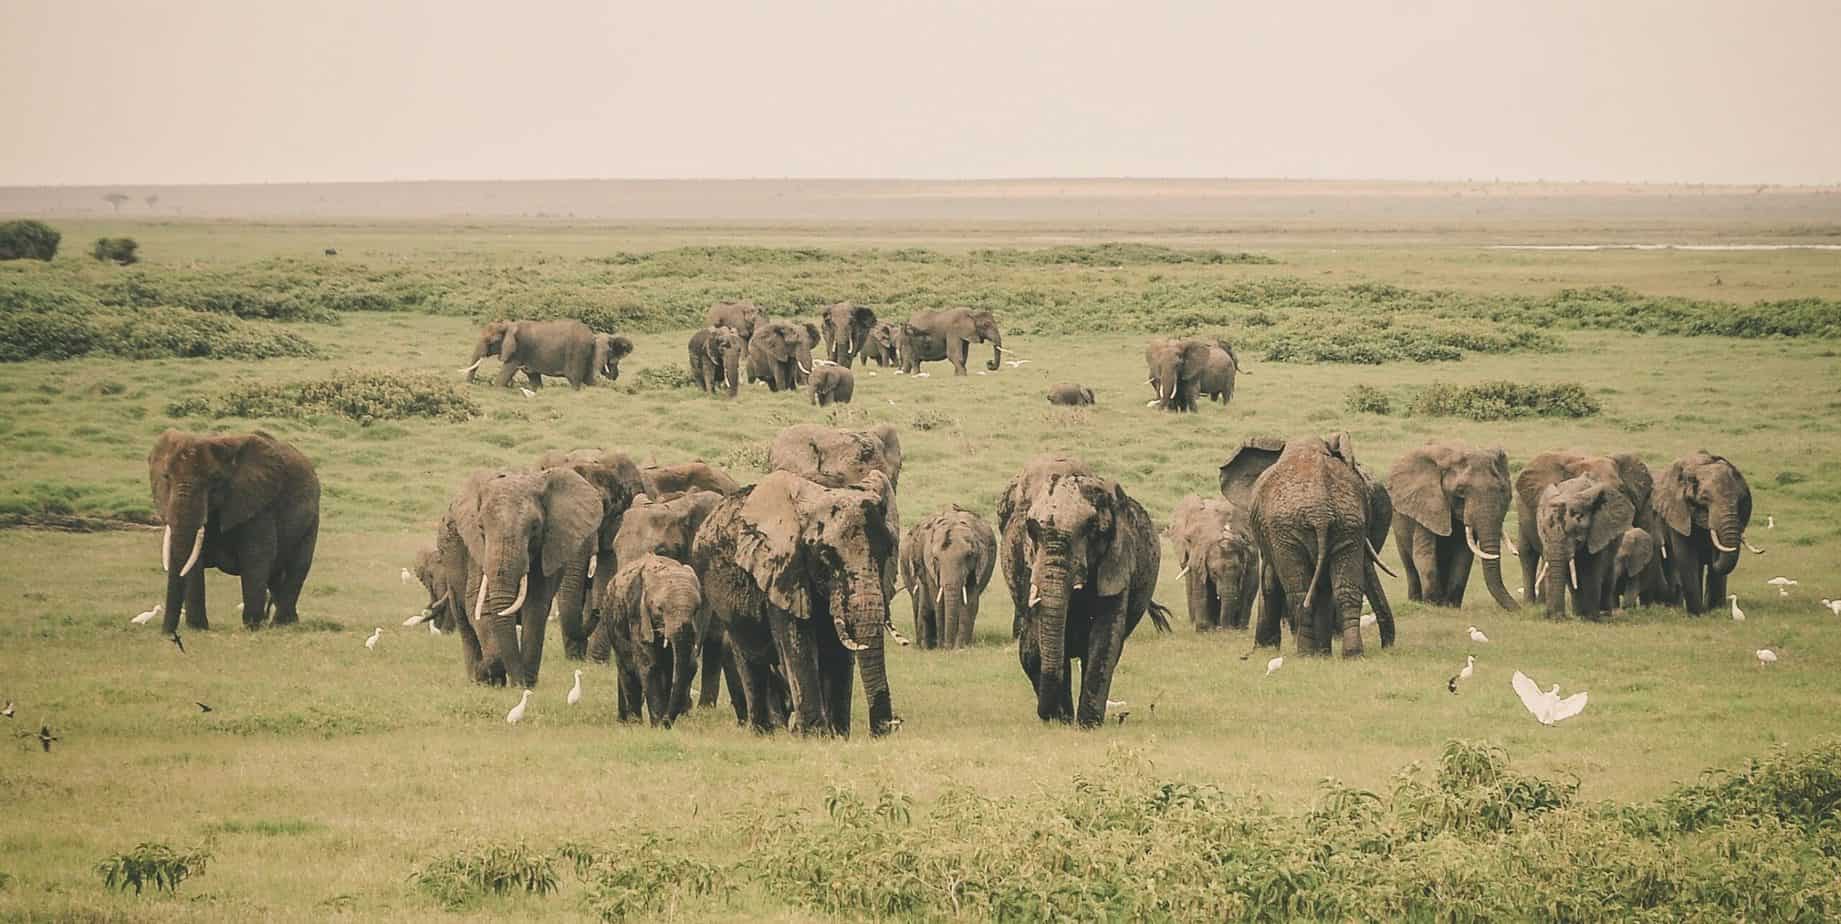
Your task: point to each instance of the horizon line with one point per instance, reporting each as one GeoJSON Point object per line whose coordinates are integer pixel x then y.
{"type": "Point", "coordinates": [976, 179]}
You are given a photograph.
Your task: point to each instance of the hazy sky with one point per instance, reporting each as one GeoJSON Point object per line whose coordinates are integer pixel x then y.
{"type": "Point", "coordinates": [187, 91]}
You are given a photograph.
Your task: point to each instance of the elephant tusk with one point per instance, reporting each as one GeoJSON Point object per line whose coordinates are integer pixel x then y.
{"type": "Point", "coordinates": [1716, 542]}
{"type": "Point", "coordinates": [895, 634]}
{"type": "Point", "coordinates": [1572, 568]}
{"type": "Point", "coordinates": [1377, 558]}
{"type": "Point", "coordinates": [940, 597]}
{"type": "Point", "coordinates": [166, 550]}
{"type": "Point", "coordinates": [1540, 574]}
{"type": "Point", "coordinates": [1755, 550]}
{"type": "Point", "coordinates": [591, 561]}
{"type": "Point", "coordinates": [802, 368]}
{"type": "Point", "coordinates": [1663, 546]}
{"type": "Point", "coordinates": [1470, 538]}
{"type": "Point", "coordinates": [198, 545]}
{"type": "Point", "coordinates": [479, 603]}
{"type": "Point", "coordinates": [1079, 584]}
{"type": "Point", "coordinates": [475, 365]}
{"type": "Point", "coordinates": [1179, 574]}
{"type": "Point", "coordinates": [524, 585]}
{"type": "Point", "coordinates": [844, 637]}
{"type": "Point", "coordinates": [1035, 596]}
{"type": "Point", "coordinates": [965, 596]}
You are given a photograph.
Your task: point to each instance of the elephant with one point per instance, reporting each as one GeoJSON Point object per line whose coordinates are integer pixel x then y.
{"type": "Point", "coordinates": [611, 475]}
{"type": "Point", "coordinates": [1183, 369]}
{"type": "Point", "coordinates": [654, 617]}
{"type": "Point", "coordinates": [1635, 551]}
{"type": "Point", "coordinates": [880, 345]}
{"type": "Point", "coordinates": [1580, 521]}
{"type": "Point", "coordinates": [518, 537]}
{"type": "Point", "coordinates": [1070, 394]}
{"type": "Point", "coordinates": [946, 563]}
{"type": "Point", "coordinates": [1623, 471]}
{"type": "Point", "coordinates": [666, 527]}
{"type": "Point", "coordinates": [948, 335]}
{"type": "Point", "coordinates": [836, 458]}
{"type": "Point", "coordinates": [1319, 521]}
{"type": "Point", "coordinates": [1449, 502]}
{"type": "Point", "coordinates": [795, 574]}
{"type": "Point", "coordinates": [846, 330]}
{"type": "Point", "coordinates": [1703, 506]}
{"type": "Point", "coordinates": [780, 353]}
{"type": "Point", "coordinates": [740, 317]}
{"type": "Point", "coordinates": [655, 481]}
{"type": "Point", "coordinates": [1082, 559]}
{"type": "Point", "coordinates": [564, 347]}
{"type": "Point", "coordinates": [1220, 566]}
{"type": "Point", "coordinates": [430, 572]}
{"type": "Point", "coordinates": [715, 359]}
{"type": "Point", "coordinates": [832, 384]}
{"type": "Point", "coordinates": [247, 505]}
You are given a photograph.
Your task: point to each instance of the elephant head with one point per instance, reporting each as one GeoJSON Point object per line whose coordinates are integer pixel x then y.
{"type": "Point", "coordinates": [882, 339]}
{"type": "Point", "coordinates": [432, 574]}
{"type": "Point", "coordinates": [951, 553]}
{"type": "Point", "coordinates": [980, 326]}
{"type": "Point", "coordinates": [655, 617]}
{"type": "Point", "coordinates": [1074, 536]}
{"type": "Point", "coordinates": [1175, 367]}
{"type": "Point", "coordinates": [491, 342]}
{"type": "Point", "coordinates": [777, 343]}
{"type": "Point", "coordinates": [607, 474]}
{"type": "Point", "coordinates": [847, 327]}
{"type": "Point", "coordinates": [662, 527]}
{"type": "Point", "coordinates": [1445, 487]}
{"type": "Point", "coordinates": [723, 349]}
{"type": "Point", "coordinates": [741, 317]}
{"type": "Point", "coordinates": [1702, 491]}
{"type": "Point", "coordinates": [524, 532]}
{"type": "Point", "coordinates": [1212, 545]}
{"type": "Point", "coordinates": [1578, 515]}
{"type": "Point", "coordinates": [609, 350]}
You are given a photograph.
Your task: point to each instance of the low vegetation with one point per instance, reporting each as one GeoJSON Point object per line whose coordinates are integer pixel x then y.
{"type": "Point", "coordinates": [462, 878]}
{"type": "Point", "coordinates": [1498, 400]}
{"type": "Point", "coordinates": [152, 864]}
{"type": "Point", "coordinates": [28, 240]}
{"type": "Point", "coordinates": [121, 251]}
{"type": "Point", "coordinates": [365, 397]}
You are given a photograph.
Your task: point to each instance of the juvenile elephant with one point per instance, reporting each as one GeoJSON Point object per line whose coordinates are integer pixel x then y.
{"type": "Point", "coordinates": [654, 616]}
{"type": "Point", "coordinates": [1070, 394]}
{"type": "Point", "coordinates": [740, 317]}
{"type": "Point", "coordinates": [1318, 520]}
{"type": "Point", "coordinates": [517, 537]}
{"type": "Point", "coordinates": [1081, 557]}
{"type": "Point", "coordinates": [1183, 369]}
{"type": "Point", "coordinates": [1449, 501]}
{"type": "Point", "coordinates": [666, 527]}
{"type": "Point", "coordinates": [1704, 506]}
{"type": "Point", "coordinates": [846, 329]}
{"type": "Point", "coordinates": [832, 384]}
{"type": "Point", "coordinates": [946, 563]}
{"type": "Point", "coordinates": [1635, 551]}
{"type": "Point", "coordinates": [1220, 566]}
{"type": "Point", "coordinates": [780, 353]}
{"type": "Point", "coordinates": [948, 335]}
{"type": "Point", "coordinates": [432, 576]}
{"type": "Point", "coordinates": [1622, 471]}
{"type": "Point", "coordinates": [879, 346]}
{"type": "Point", "coordinates": [247, 505]}
{"type": "Point", "coordinates": [716, 358]}
{"type": "Point", "coordinates": [1580, 521]}
{"type": "Point", "coordinates": [564, 347]}
{"type": "Point", "coordinates": [794, 571]}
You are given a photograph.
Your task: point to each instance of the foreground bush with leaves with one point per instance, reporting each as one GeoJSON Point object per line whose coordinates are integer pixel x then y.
{"type": "Point", "coordinates": [361, 396]}
{"type": "Point", "coordinates": [154, 864]}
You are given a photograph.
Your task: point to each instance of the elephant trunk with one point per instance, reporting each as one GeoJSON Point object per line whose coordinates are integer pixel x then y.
{"type": "Point", "coordinates": [505, 585]}
{"type": "Point", "coordinates": [1724, 529]}
{"type": "Point", "coordinates": [1486, 541]}
{"type": "Point", "coordinates": [569, 606]}
{"type": "Point", "coordinates": [997, 351]}
{"type": "Point", "coordinates": [864, 613]}
{"type": "Point", "coordinates": [1050, 580]}
{"type": "Point", "coordinates": [481, 350]}
{"type": "Point", "coordinates": [187, 512]}
{"type": "Point", "coordinates": [1559, 561]}
{"type": "Point", "coordinates": [732, 370]}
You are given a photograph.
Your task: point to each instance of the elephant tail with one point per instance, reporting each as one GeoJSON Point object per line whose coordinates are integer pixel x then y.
{"type": "Point", "coordinates": [1323, 555]}
{"type": "Point", "coordinates": [1160, 617]}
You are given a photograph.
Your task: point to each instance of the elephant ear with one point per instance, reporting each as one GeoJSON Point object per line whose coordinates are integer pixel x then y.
{"type": "Point", "coordinates": [767, 545]}
{"type": "Point", "coordinates": [464, 513]}
{"type": "Point", "coordinates": [1245, 465]}
{"type": "Point", "coordinates": [811, 332]}
{"type": "Point", "coordinates": [1548, 468]}
{"type": "Point", "coordinates": [259, 472]}
{"type": "Point", "coordinates": [1671, 499]}
{"type": "Point", "coordinates": [1417, 485]}
{"type": "Point", "coordinates": [1341, 446]}
{"type": "Point", "coordinates": [1635, 476]}
{"type": "Point", "coordinates": [1195, 357]}
{"type": "Point", "coordinates": [509, 346]}
{"type": "Point", "coordinates": [1113, 576]}
{"type": "Point", "coordinates": [572, 513]}
{"type": "Point", "coordinates": [1614, 515]}
{"type": "Point", "coordinates": [630, 603]}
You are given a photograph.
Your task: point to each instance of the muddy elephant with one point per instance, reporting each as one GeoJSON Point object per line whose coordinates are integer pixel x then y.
{"type": "Point", "coordinates": [1580, 522]}
{"type": "Point", "coordinates": [1449, 502]}
{"type": "Point", "coordinates": [716, 359]}
{"type": "Point", "coordinates": [946, 563]}
{"type": "Point", "coordinates": [247, 505]}
{"type": "Point", "coordinates": [846, 329]}
{"type": "Point", "coordinates": [834, 457]}
{"type": "Point", "coordinates": [1219, 563]}
{"type": "Point", "coordinates": [740, 317]}
{"type": "Point", "coordinates": [1623, 471]}
{"type": "Point", "coordinates": [1635, 551]}
{"type": "Point", "coordinates": [519, 538]}
{"type": "Point", "coordinates": [832, 384]}
{"type": "Point", "coordinates": [564, 347]}
{"type": "Point", "coordinates": [664, 481]}
{"type": "Point", "coordinates": [780, 353]}
{"type": "Point", "coordinates": [653, 616]}
{"type": "Point", "coordinates": [948, 335]}
{"type": "Point", "coordinates": [1069, 394]}
{"type": "Point", "coordinates": [794, 573]}
{"type": "Point", "coordinates": [1703, 506]}
{"type": "Point", "coordinates": [1181, 370]}
{"type": "Point", "coordinates": [1319, 521]}
{"type": "Point", "coordinates": [879, 346]}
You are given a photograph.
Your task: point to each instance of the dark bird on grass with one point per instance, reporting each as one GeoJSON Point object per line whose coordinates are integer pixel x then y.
{"type": "Point", "coordinates": [1126, 714]}
{"type": "Point", "coordinates": [45, 737]}
{"type": "Point", "coordinates": [8, 711]}
{"type": "Point", "coordinates": [175, 640]}
{"type": "Point", "coordinates": [1154, 699]}
{"type": "Point", "coordinates": [201, 706]}
{"type": "Point", "coordinates": [1452, 684]}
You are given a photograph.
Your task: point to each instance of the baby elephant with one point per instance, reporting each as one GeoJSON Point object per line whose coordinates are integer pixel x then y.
{"type": "Point", "coordinates": [1070, 394]}
{"type": "Point", "coordinates": [1220, 566]}
{"type": "Point", "coordinates": [652, 617]}
{"type": "Point", "coordinates": [1634, 553]}
{"type": "Point", "coordinates": [431, 572]}
{"type": "Point", "coordinates": [832, 384]}
{"type": "Point", "coordinates": [946, 562]}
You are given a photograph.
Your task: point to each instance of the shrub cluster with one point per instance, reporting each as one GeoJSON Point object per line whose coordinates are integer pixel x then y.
{"type": "Point", "coordinates": [118, 250]}
{"type": "Point", "coordinates": [28, 240]}
{"type": "Point", "coordinates": [1366, 399]}
{"type": "Point", "coordinates": [365, 397]}
{"type": "Point", "coordinates": [1115, 254]}
{"type": "Point", "coordinates": [1504, 401]}
{"type": "Point", "coordinates": [461, 879]}
{"type": "Point", "coordinates": [154, 333]}
{"type": "Point", "coordinates": [154, 864]}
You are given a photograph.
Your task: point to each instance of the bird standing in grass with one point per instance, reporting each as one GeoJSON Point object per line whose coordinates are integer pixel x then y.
{"type": "Point", "coordinates": [1783, 585]}
{"type": "Point", "coordinates": [142, 619]}
{"type": "Point", "coordinates": [434, 629]}
{"type": "Point", "coordinates": [370, 644]}
{"type": "Point", "coordinates": [1476, 635]}
{"type": "Point", "coordinates": [8, 711]}
{"type": "Point", "coordinates": [1833, 606]}
{"type": "Point", "coordinates": [516, 714]}
{"type": "Point", "coordinates": [1738, 615]}
{"type": "Point", "coordinates": [1766, 656]}
{"type": "Point", "coordinates": [1470, 666]}
{"type": "Point", "coordinates": [575, 692]}
{"type": "Point", "coordinates": [527, 392]}
{"type": "Point", "coordinates": [1770, 522]}
{"type": "Point", "coordinates": [1274, 664]}
{"type": "Point", "coordinates": [201, 706]}
{"type": "Point", "coordinates": [406, 577]}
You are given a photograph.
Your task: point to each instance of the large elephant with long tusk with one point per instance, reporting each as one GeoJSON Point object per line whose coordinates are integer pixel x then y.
{"type": "Point", "coordinates": [246, 505]}
{"type": "Point", "coordinates": [847, 329]}
{"type": "Point", "coordinates": [1449, 502]}
{"type": "Point", "coordinates": [948, 335]}
{"type": "Point", "coordinates": [780, 353]}
{"type": "Point", "coordinates": [1703, 505]}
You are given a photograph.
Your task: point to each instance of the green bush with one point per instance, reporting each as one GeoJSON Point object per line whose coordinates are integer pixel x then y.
{"type": "Point", "coordinates": [28, 240]}
{"type": "Point", "coordinates": [154, 333]}
{"type": "Point", "coordinates": [1504, 401]}
{"type": "Point", "coordinates": [118, 250]}
{"type": "Point", "coordinates": [460, 879]}
{"type": "Point", "coordinates": [153, 864]}
{"type": "Point", "coordinates": [642, 881]}
{"type": "Point", "coordinates": [364, 397]}
{"type": "Point", "coordinates": [661, 378]}
{"type": "Point", "coordinates": [1115, 254]}
{"type": "Point", "coordinates": [1365, 399]}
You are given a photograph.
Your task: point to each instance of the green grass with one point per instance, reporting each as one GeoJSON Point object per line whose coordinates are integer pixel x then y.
{"type": "Point", "coordinates": [327, 776]}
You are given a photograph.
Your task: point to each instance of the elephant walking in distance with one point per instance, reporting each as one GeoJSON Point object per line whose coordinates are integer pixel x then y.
{"type": "Point", "coordinates": [1069, 394]}
{"type": "Point", "coordinates": [1580, 522]}
{"type": "Point", "coordinates": [846, 329]}
{"type": "Point", "coordinates": [1182, 370]}
{"type": "Point", "coordinates": [654, 615]}
{"type": "Point", "coordinates": [795, 572]}
{"type": "Point", "coordinates": [1449, 502]}
{"type": "Point", "coordinates": [1081, 558]}
{"type": "Point", "coordinates": [948, 335]}
{"type": "Point", "coordinates": [946, 563]}
{"type": "Point", "coordinates": [1703, 505]}
{"type": "Point", "coordinates": [780, 353]}
{"type": "Point", "coordinates": [1220, 565]}
{"type": "Point", "coordinates": [1318, 520]}
{"type": "Point", "coordinates": [246, 505]}
{"type": "Point", "coordinates": [1622, 471]}
{"type": "Point", "coordinates": [564, 347]}
{"type": "Point", "coordinates": [832, 384]}
{"type": "Point", "coordinates": [716, 359]}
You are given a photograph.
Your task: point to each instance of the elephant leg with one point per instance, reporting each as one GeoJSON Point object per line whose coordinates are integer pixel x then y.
{"type": "Point", "coordinates": [1383, 611]}
{"type": "Point", "coordinates": [1196, 589]}
{"type": "Point", "coordinates": [1457, 571]}
{"type": "Point", "coordinates": [1404, 539]}
{"type": "Point", "coordinates": [955, 353]}
{"type": "Point", "coordinates": [508, 370]}
{"type": "Point", "coordinates": [536, 620]}
{"type": "Point", "coordinates": [255, 596]}
{"type": "Point", "coordinates": [709, 651]}
{"type": "Point", "coordinates": [1348, 573]}
{"type": "Point", "coordinates": [799, 659]}
{"type": "Point", "coordinates": [658, 685]}
{"type": "Point", "coordinates": [629, 690]}
{"type": "Point", "coordinates": [1221, 606]}
{"type": "Point", "coordinates": [1529, 545]}
{"type": "Point", "coordinates": [296, 563]}
{"type": "Point", "coordinates": [1716, 587]}
{"type": "Point", "coordinates": [836, 669]}
{"type": "Point", "coordinates": [683, 669]}
{"type": "Point", "coordinates": [195, 616]}
{"type": "Point", "coordinates": [470, 653]}
{"type": "Point", "coordinates": [1425, 562]}
{"type": "Point", "coordinates": [968, 619]}
{"type": "Point", "coordinates": [1271, 608]}
{"type": "Point", "coordinates": [535, 377]}
{"type": "Point", "coordinates": [732, 678]}
{"type": "Point", "coordinates": [1105, 643]}
{"type": "Point", "coordinates": [755, 681]}
{"type": "Point", "coordinates": [1689, 570]}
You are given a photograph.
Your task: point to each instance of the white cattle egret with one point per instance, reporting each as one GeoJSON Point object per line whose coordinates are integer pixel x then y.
{"type": "Point", "coordinates": [434, 629]}
{"type": "Point", "coordinates": [1470, 666]}
{"type": "Point", "coordinates": [527, 392]}
{"type": "Point", "coordinates": [1833, 606]}
{"type": "Point", "coordinates": [1547, 707]}
{"type": "Point", "coordinates": [1476, 635]}
{"type": "Point", "coordinates": [371, 643]}
{"type": "Point", "coordinates": [1013, 363]}
{"type": "Point", "coordinates": [239, 608]}
{"type": "Point", "coordinates": [418, 618]}
{"type": "Point", "coordinates": [1783, 585]}
{"type": "Point", "coordinates": [1369, 619]}
{"type": "Point", "coordinates": [8, 711]}
{"type": "Point", "coordinates": [1766, 656]}
{"type": "Point", "coordinates": [1770, 522]}
{"type": "Point", "coordinates": [149, 616]}
{"type": "Point", "coordinates": [406, 577]}
{"type": "Point", "coordinates": [1738, 615]}
{"type": "Point", "coordinates": [1274, 664]}
{"type": "Point", "coordinates": [575, 692]}
{"type": "Point", "coordinates": [516, 714]}
{"type": "Point", "coordinates": [1115, 704]}
{"type": "Point", "coordinates": [922, 375]}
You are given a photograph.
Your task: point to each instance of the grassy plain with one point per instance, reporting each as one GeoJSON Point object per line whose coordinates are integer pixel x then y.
{"type": "Point", "coordinates": [325, 774]}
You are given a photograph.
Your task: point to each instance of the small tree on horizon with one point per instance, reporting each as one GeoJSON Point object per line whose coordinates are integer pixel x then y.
{"type": "Point", "coordinates": [152, 199]}
{"type": "Point", "coordinates": [115, 199]}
